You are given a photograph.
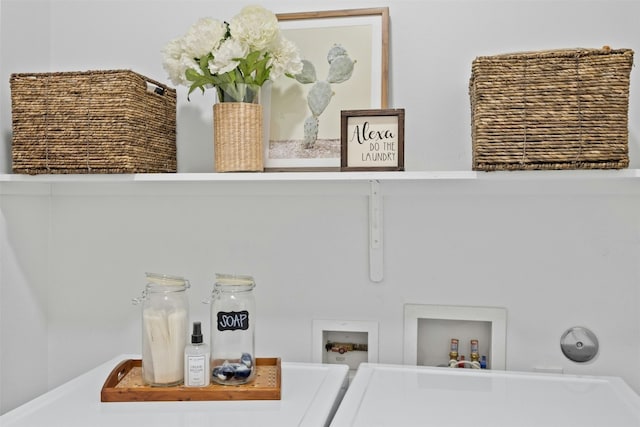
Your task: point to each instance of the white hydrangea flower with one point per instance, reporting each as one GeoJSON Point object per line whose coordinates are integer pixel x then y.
{"type": "Point", "coordinates": [174, 62]}
{"type": "Point", "coordinates": [203, 37]}
{"type": "Point", "coordinates": [255, 26]}
{"type": "Point", "coordinates": [224, 58]}
{"type": "Point", "coordinates": [285, 58]}
{"type": "Point", "coordinates": [250, 37]}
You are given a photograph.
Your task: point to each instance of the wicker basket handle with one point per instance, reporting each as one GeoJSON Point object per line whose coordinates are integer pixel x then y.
{"type": "Point", "coordinates": [154, 87]}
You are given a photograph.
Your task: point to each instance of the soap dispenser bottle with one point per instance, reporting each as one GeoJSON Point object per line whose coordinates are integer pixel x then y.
{"type": "Point", "coordinates": [196, 360]}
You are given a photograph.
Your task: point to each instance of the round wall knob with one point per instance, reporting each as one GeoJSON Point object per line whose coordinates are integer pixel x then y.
{"type": "Point", "coordinates": [579, 344]}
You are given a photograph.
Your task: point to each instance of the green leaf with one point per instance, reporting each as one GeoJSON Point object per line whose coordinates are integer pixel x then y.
{"type": "Point", "coordinates": [193, 87]}
{"type": "Point", "coordinates": [204, 63]}
{"type": "Point", "coordinates": [237, 76]}
{"type": "Point", "coordinates": [262, 71]}
{"type": "Point", "coordinates": [191, 74]}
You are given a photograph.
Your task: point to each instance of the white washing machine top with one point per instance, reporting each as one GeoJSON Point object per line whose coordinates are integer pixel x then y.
{"type": "Point", "coordinates": [397, 395]}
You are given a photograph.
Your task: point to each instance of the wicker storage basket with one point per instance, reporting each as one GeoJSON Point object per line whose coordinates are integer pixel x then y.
{"type": "Point", "coordinates": [113, 121]}
{"type": "Point", "coordinates": [238, 137]}
{"type": "Point", "coordinates": [561, 109]}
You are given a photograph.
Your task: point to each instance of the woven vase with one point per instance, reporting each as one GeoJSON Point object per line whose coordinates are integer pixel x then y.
{"type": "Point", "coordinates": [238, 129]}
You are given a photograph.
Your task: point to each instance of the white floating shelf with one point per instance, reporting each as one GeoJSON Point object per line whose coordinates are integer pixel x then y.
{"type": "Point", "coordinates": [327, 176]}
{"type": "Point", "coordinates": [516, 183]}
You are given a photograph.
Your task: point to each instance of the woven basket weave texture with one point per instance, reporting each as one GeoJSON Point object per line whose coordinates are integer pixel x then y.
{"type": "Point", "coordinates": [557, 109]}
{"type": "Point", "coordinates": [112, 121]}
{"type": "Point", "coordinates": [238, 137]}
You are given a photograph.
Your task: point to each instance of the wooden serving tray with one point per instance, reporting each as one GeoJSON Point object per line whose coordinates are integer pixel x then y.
{"type": "Point", "coordinates": [124, 384]}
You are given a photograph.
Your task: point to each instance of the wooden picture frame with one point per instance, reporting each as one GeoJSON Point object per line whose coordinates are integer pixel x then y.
{"type": "Point", "coordinates": [364, 35]}
{"type": "Point", "coordinates": [372, 140]}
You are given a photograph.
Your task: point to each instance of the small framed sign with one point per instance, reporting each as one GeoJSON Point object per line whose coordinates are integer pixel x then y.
{"type": "Point", "coordinates": [372, 140]}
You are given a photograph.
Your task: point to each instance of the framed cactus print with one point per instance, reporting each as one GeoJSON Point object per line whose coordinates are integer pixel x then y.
{"type": "Point", "coordinates": [345, 57]}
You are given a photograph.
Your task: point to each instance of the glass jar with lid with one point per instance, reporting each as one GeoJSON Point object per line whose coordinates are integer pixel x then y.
{"type": "Point", "coordinates": [165, 327]}
{"type": "Point", "coordinates": [232, 329]}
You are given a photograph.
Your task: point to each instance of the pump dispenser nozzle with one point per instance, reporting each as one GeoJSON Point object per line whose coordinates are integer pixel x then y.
{"type": "Point", "coordinates": [196, 336]}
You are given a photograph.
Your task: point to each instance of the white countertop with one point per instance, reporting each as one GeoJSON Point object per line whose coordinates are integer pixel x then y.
{"type": "Point", "coordinates": [395, 395]}
{"type": "Point", "coordinates": [310, 395]}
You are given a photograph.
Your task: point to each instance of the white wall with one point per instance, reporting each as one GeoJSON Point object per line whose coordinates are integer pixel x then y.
{"type": "Point", "coordinates": [24, 233]}
{"type": "Point", "coordinates": [432, 46]}
{"type": "Point", "coordinates": [554, 257]}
